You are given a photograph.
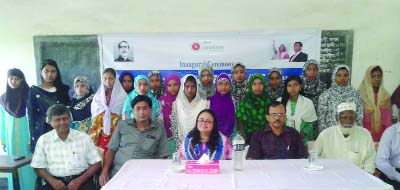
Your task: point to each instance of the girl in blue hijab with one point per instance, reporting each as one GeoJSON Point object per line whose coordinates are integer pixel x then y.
{"type": "Point", "coordinates": [141, 87]}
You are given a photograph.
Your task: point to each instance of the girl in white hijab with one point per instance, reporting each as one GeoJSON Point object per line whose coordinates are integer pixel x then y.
{"type": "Point", "coordinates": [186, 107]}
{"type": "Point", "coordinates": [106, 109]}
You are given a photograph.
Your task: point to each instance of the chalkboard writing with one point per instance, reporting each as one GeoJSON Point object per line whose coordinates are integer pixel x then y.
{"type": "Point", "coordinates": [336, 49]}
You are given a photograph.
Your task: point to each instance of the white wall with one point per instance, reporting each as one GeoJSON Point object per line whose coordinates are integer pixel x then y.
{"type": "Point", "coordinates": [375, 23]}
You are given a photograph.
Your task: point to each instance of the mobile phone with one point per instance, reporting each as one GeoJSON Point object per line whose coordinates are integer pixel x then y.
{"type": "Point", "coordinates": [18, 158]}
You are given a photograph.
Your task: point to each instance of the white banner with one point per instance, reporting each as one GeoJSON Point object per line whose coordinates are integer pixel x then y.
{"type": "Point", "coordinates": [184, 52]}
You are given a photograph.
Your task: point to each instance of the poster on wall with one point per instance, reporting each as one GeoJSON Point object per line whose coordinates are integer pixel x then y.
{"type": "Point", "coordinates": [183, 53]}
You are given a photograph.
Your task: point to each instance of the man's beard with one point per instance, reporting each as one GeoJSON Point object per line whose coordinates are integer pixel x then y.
{"type": "Point", "coordinates": [346, 129]}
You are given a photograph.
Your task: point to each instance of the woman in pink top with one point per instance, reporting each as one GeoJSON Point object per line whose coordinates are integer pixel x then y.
{"type": "Point", "coordinates": [281, 53]}
{"type": "Point", "coordinates": [376, 103]}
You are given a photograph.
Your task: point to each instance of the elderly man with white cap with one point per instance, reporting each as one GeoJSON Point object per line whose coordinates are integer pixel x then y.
{"type": "Point", "coordinates": [347, 141]}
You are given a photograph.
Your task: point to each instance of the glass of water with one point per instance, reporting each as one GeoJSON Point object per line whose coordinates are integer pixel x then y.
{"type": "Point", "coordinates": [312, 158]}
{"type": "Point", "coordinates": [176, 160]}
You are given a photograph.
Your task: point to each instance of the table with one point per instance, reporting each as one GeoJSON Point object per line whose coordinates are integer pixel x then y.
{"type": "Point", "coordinates": [8, 165]}
{"type": "Point", "coordinates": [257, 175]}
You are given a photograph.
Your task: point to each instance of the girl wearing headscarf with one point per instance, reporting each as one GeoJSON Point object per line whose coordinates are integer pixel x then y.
{"type": "Point", "coordinates": [172, 84]}
{"type": "Point", "coordinates": [376, 103]}
{"type": "Point", "coordinates": [300, 112]}
{"type": "Point", "coordinates": [156, 83]}
{"type": "Point", "coordinates": [312, 85]}
{"type": "Point", "coordinates": [106, 109]}
{"type": "Point", "coordinates": [340, 91]}
{"type": "Point", "coordinates": [141, 87]}
{"type": "Point", "coordinates": [275, 85]}
{"type": "Point", "coordinates": [251, 111]}
{"type": "Point", "coordinates": [206, 77]}
{"type": "Point", "coordinates": [80, 105]}
{"type": "Point", "coordinates": [126, 79]}
{"type": "Point", "coordinates": [14, 129]}
{"type": "Point", "coordinates": [222, 105]}
{"type": "Point", "coordinates": [51, 91]}
{"type": "Point", "coordinates": [239, 83]}
{"type": "Point", "coordinates": [187, 105]}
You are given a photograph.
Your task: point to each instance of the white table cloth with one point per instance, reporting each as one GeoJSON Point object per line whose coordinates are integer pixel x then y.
{"type": "Point", "coordinates": [257, 175]}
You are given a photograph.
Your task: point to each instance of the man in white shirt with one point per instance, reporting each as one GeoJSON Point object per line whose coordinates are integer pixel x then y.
{"type": "Point", "coordinates": [65, 158]}
{"type": "Point", "coordinates": [346, 141]}
{"type": "Point", "coordinates": [388, 156]}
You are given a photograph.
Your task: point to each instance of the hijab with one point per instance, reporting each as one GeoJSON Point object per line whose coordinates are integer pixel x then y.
{"type": "Point", "coordinates": [223, 107]}
{"type": "Point", "coordinates": [275, 93]}
{"type": "Point", "coordinates": [205, 91]}
{"type": "Point", "coordinates": [156, 92]}
{"type": "Point", "coordinates": [99, 104]}
{"type": "Point", "coordinates": [336, 95]}
{"type": "Point", "coordinates": [188, 111]}
{"type": "Point", "coordinates": [312, 88]}
{"type": "Point", "coordinates": [85, 82]}
{"type": "Point", "coordinates": [238, 89]}
{"type": "Point", "coordinates": [368, 99]}
{"type": "Point", "coordinates": [167, 99]}
{"type": "Point", "coordinates": [253, 108]}
{"type": "Point", "coordinates": [127, 104]}
{"type": "Point", "coordinates": [121, 78]}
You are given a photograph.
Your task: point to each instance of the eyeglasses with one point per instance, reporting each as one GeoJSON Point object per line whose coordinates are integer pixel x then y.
{"type": "Point", "coordinates": [277, 115]}
{"type": "Point", "coordinates": [208, 122]}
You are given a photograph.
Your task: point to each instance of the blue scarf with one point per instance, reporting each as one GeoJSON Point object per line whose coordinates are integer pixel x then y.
{"type": "Point", "coordinates": [194, 152]}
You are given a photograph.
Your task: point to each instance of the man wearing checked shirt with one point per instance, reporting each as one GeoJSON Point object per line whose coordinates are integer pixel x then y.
{"type": "Point", "coordinates": [65, 158]}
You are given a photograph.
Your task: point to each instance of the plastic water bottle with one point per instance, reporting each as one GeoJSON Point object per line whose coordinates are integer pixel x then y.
{"type": "Point", "coordinates": [238, 152]}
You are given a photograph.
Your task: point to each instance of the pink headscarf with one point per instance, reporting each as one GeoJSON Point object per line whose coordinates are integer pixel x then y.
{"type": "Point", "coordinates": [167, 100]}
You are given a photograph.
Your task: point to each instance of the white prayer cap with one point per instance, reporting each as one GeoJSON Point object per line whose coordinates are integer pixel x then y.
{"type": "Point", "coordinates": [346, 106]}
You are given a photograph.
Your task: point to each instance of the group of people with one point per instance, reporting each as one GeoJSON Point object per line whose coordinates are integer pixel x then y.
{"type": "Point", "coordinates": [152, 117]}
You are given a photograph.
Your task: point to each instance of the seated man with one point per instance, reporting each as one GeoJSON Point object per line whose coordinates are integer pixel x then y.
{"type": "Point", "coordinates": [65, 158]}
{"type": "Point", "coordinates": [139, 138]}
{"type": "Point", "coordinates": [346, 141]}
{"type": "Point", "coordinates": [388, 156]}
{"type": "Point", "coordinates": [276, 141]}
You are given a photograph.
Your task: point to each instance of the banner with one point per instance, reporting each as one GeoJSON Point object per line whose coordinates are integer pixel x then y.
{"type": "Point", "coordinates": [184, 52]}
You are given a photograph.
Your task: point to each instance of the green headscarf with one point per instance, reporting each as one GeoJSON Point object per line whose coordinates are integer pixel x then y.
{"type": "Point", "coordinates": [252, 109]}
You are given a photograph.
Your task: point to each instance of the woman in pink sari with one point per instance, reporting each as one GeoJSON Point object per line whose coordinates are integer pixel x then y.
{"type": "Point", "coordinates": [281, 53]}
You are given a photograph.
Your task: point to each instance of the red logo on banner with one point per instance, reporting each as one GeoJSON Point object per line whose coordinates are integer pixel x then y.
{"type": "Point", "coordinates": [195, 46]}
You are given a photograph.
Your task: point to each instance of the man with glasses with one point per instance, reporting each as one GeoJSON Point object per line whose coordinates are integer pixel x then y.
{"type": "Point", "coordinates": [123, 48]}
{"type": "Point", "coordinates": [139, 138]}
{"type": "Point", "coordinates": [65, 158]}
{"type": "Point", "coordinates": [276, 141]}
{"type": "Point", "coordinates": [347, 141]}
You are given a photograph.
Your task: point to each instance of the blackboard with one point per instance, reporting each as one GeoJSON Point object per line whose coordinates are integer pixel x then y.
{"type": "Point", "coordinates": [75, 55]}
{"type": "Point", "coordinates": [336, 49]}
